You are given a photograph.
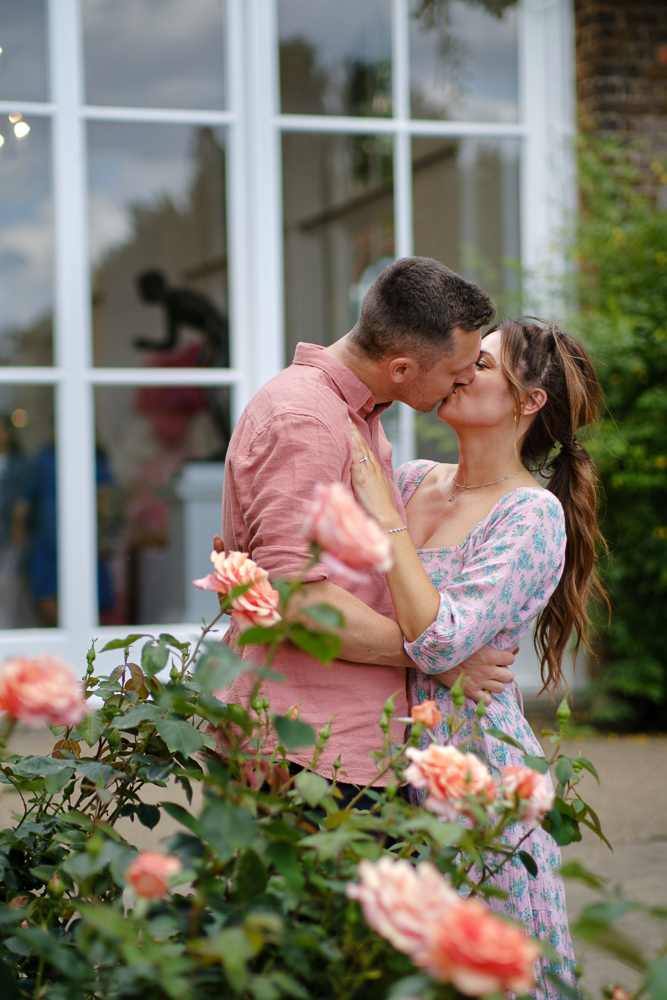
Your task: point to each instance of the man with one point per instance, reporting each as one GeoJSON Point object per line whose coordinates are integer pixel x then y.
{"type": "Point", "coordinates": [418, 335]}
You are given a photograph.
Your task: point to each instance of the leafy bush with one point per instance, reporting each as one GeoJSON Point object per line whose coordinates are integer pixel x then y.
{"type": "Point", "coordinates": [620, 251]}
{"type": "Point", "coordinates": [259, 905]}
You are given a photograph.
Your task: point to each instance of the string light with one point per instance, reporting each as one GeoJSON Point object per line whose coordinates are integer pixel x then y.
{"type": "Point", "coordinates": [15, 117]}
{"type": "Point", "coordinates": [21, 130]}
{"type": "Point", "coordinates": [2, 141]}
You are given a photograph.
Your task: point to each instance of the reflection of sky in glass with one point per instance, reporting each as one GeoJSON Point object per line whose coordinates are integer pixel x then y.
{"type": "Point", "coordinates": [133, 166]}
{"type": "Point", "coordinates": [155, 53]}
{"type": "Point", "coordinates": [23, 43]}
{"type": "Point", "coordinates": [339, 34]}
{"type": "Point", "coordinates": [25, 226]}
{"type": "Point", "coordinates": [470, 72]}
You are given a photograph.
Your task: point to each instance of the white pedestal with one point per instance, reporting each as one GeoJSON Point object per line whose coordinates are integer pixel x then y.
{"type": "Point", "coordinates": [199, 488]}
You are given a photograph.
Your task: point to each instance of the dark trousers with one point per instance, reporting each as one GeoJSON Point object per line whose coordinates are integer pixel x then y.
{"type": "Point", "coordinates": [349, 792]}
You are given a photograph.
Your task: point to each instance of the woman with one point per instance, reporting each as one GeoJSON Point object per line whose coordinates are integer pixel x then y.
{"type": "Point", "coordinates": [491, 557]}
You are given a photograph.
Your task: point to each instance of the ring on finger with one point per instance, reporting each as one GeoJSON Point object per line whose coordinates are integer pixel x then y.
{"type": "Point", "coordinates": [362, 460]}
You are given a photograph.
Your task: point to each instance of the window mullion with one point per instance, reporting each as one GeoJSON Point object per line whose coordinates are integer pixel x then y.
{"type": "Point", "coordinates": [77, 563]}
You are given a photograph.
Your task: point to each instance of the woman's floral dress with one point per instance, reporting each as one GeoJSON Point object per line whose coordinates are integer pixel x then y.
{"type": "Point", "coordinates": [492, 586]}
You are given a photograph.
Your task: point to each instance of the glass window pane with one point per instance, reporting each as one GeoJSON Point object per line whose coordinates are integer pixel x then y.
{"type": "Point", "coordinates": [26, 285]}
{"type": "Point", "coordinates": [335, 58]}
{"type": "Point", "coordinates": [158, 245]}
{"type": "Point", "coordinates": [28, 543]}
{"type": "Point", "coordinates": [466, 214]}
{"type": "Point", "coordinates": [155, 53]}
{"type": "Point", "coordinates": [160, 472]}
{"type": "Point", "coordinates": [463, 62]}
{"type": "Point", "coordinates": [339, 230]}
{"type": "Point", "coordinates": [23, 66]}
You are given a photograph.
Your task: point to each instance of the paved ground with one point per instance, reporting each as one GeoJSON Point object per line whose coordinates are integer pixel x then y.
{"type": "Point", "coordinates": [632, 804]}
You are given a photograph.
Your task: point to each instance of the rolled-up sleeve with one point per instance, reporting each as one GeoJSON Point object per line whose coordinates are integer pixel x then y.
{"type": "Point", "coordinates": [277, 474]}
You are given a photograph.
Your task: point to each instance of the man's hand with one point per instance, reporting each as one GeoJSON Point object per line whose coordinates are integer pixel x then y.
{"type": "Point", "coordinates": [486, 673]}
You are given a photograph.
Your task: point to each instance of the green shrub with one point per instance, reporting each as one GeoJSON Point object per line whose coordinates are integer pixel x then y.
{"type": "Point", "coordinates": [620, 249]}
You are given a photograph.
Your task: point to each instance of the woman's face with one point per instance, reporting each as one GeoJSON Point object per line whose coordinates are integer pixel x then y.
{"type": "Point", "coordinates": [487, 401]}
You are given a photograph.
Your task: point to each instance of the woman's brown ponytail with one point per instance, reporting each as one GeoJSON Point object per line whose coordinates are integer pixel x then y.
{"type": "Point", "coordinates": [539, 355]}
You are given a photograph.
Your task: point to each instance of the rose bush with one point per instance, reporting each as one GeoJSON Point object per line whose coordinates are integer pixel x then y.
{"type": "Point", "coordinates": [268, 862]}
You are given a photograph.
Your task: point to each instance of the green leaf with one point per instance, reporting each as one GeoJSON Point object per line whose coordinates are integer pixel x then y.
{"type": "Point", "coordinates": [498, 734]}
{"type": "Point", "coordinates": [582, 762]}
{"type": "Point", "coordinates": [182, 815]}
{"type": "Point", "coordinates": [108, 920]}
{"type": "Point", "coordinates": [54, 953]}
{"type": "Point", "coordinates": [656, 980]}
{"type": "Point", "coordinates": [182, 647]}
{"type": "Point", "coordinates": [8, 987]}
{"type": "Point", "coordinates": [322, 645]}
{"type": "Point", "coordinates": [564, 770]}
{"type": "Point", "coordinates": [239, 717]}
{"type": "Point", "coordinates": [293, 733]}
{"type": "Point", "coordinates": [154, 657]}
{"type": "Point", "coordinates": [123, 643]}
{"type": "Point", "coordinates": [146, 712]}
{"type": "Point", "coordinates": [528, 863]}
{"type": "Point", "coordinates": [92, 726]}
{"type": "Point", "coordinates": [54, 783]}
{"type": "Point", "coordinates": [31, 767]}
{"type": "Point", "coordinates": [325, 615]}
{"type": "Point", "coordinates": [218, 667]}
{"type": "Point", "coordinates": [148, 815]}
{"type": "Point", "coordinates": [258, 636]}
{"type": "Point", "coordinates": [311, 787]}
{"type": "Point", "coordinates": [575, 870]}
{"type": "Point", "coordinates": [95, 771]}
{"type": "Point", "coordinates": [211, 708]}
{"type": "Point", "coordinates": [180, 736]}
{"type": "Point", "coordinates": [250, 876]}
{"type": "Point", "coordinates": [536, 763]}
{"type": "Point", "coordinates": [227, 827]}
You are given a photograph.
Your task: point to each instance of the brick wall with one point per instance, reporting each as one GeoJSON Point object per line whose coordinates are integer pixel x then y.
{"type": "Point", "coordinates": [621, 53]}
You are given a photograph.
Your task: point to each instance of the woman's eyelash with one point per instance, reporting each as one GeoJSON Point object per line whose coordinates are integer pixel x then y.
{"type": "Point", "coordinates": [480, 364]}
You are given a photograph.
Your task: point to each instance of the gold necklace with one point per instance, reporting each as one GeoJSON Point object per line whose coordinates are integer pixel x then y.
{"type": "Point", "coordinates": [481, 485]}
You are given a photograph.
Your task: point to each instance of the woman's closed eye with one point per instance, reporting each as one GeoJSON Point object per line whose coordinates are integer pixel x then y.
{"type": "Point", "coordinates": [481, 364]}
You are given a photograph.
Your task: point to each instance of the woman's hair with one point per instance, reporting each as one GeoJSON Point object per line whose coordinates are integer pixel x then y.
{"type": "Point", "coordinates": [538, 355]}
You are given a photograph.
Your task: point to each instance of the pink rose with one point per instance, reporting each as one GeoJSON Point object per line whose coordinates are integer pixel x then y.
{"type": "Point", "coordinates": [427, 713]}
{"type": "Point", "coordinates": [150, 872]}
{"type": "Point", "coordinates": [478, 953]}
{"type": "Point", "coordinates": [39, 691]}
{"type": "Point", "coordinates": [528, 791]}
{"type": "Point", "coordinates": [351, 541]}
{"type": "Point", "coordinates": [452, 778]}
{"type": "Point", "coordinates": [259, 604]}
{"type": "Point", "coordinates": [401, 901]}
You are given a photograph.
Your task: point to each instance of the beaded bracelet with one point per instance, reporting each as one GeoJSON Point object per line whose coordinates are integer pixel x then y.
{"type": "Point", "coordinates": [390, 531]}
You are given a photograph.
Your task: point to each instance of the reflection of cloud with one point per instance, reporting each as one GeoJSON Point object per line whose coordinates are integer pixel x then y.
{"type": "Point", "coordinates": [484, 86]}
{"type": "Point", "coordinates": [154, 53]}
{"type": "Point", "coordinates": [130, 165]}
{"type": "Point", "coordinates": [23, 59]}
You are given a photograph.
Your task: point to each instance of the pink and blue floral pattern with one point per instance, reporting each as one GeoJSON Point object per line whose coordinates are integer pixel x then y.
{"type": "Point", "coordinates": [492, 586]}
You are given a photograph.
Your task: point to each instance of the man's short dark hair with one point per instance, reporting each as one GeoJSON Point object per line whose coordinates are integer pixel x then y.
{"type": "Point", "coordinates": [413, 305]}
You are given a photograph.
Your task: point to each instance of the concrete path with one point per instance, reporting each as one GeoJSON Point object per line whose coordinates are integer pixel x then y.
{"type": "Point", "coordinates": [631, 802]}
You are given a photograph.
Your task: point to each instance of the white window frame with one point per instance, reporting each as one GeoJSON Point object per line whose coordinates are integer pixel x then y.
{"type": "Point", "coordinates": [255, 128]}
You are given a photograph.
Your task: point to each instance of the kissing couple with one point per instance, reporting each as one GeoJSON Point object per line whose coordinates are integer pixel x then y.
{"type": "Point", "coordinates": [483, 550]}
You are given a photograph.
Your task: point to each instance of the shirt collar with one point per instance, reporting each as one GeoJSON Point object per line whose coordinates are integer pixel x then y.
{"type": "Point", "coordinates": [357, 395]}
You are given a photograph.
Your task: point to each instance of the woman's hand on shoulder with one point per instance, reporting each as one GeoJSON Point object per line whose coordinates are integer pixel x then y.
{"type": "Point", "coordinates": [370, 484]}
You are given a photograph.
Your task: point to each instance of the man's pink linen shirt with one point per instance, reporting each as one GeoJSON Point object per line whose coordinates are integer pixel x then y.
{"type": "Point", "coordinates": [293, 434]}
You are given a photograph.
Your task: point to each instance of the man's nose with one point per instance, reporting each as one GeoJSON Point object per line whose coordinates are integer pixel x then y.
{"type": "Point", "coordinates": [466, 377]}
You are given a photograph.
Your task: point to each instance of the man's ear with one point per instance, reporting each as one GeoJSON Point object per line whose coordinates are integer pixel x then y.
{"type": "Point", "coordinates": [402, 370]}
{"type": "Point", "coordinates": [535, 400]}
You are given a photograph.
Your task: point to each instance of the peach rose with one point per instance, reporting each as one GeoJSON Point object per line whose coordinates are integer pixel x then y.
{"type": "Point", "coordinates": [401, 901]}
{"type": "Point", "coordinates": [39, 691]}
{"type": "Point", "coordinates": [150, 873]}
{"type": "Point", "coordinates": [259, 604]}
{"type": "Point", "coordinates": [478, 953]}
{"type": "Point", "coordinates": [451, 777]}
{"type": "Point", "coordinates": [352, 542]}
{"type": "Point", "coordinates": [528, 791]}
{"type": "Point", "coordinates": [427, 713]}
